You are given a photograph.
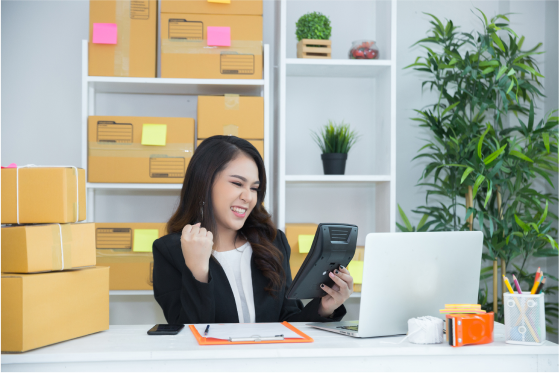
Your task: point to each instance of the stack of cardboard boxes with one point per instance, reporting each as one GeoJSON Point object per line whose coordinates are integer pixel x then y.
{"type": "Point", "coordinates": [51, 289]}
{"type": "Point", "coordinates": [300, 237]}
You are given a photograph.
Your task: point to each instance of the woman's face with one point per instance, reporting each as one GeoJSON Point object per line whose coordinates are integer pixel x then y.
{"type": "Point", "coordinates": [234, 192]}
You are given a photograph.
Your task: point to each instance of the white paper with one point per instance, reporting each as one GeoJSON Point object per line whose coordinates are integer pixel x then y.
{"type": "Point", "coordinates": [226, 331]}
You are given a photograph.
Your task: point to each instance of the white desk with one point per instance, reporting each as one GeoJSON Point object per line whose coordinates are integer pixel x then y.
{"type": "Point", "coordinates": [129, 348]}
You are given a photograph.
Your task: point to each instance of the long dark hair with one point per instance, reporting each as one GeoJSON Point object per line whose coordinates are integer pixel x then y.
{"type": "Point", "coordinates": [209, 159]}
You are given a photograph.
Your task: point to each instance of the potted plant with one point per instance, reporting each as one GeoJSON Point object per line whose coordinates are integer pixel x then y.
{"type": "Point", "coordinates": [483, 165]}
{"type": "Point", "coordinates": [313, 33]}
{"type": "Point", "coordinates": [335, 141]}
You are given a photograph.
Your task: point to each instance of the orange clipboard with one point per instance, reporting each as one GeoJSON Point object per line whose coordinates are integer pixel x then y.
{"type": "Point", "coordinates": [214, 341]}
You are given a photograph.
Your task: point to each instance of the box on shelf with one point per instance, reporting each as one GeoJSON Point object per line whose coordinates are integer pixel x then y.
{"type": "Point", "coordinates": [258, 144]}
{"type": "Point", "coordinates": [185, 52]}
{"type": "Point", "coordinates": [46, 195]}
{"type": "Point", "coordinates": [52, 247]}
{"type": "Point", "coordinates": [124, 248]}
{"type": "Point", "coordinates": [139, 149]}
{"type": "Point", "coordinates": [241, 116]}
{"type": "Point", "coordinates": [45, 308]}
{"type": "Point", "coordinates": [298, 254]}
{"type": "Point", "coordinates": [250, 7]}
{"type": "Point", "coordinates": [130, 48]}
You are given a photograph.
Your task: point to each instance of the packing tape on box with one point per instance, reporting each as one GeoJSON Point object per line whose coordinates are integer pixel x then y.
{"type": "Point", "coordinates": [122, 47]}
{"type": "Point", "coordinates": [77, 204]}
{"type": "Point", "coordinates": [120, 256]}
{"type": "Point", "coordinates": [230, 130]}
{"type": "Point", "coordinates": [60, 257]}
{"type": "Point", "coordinates": [231, 101]}
{"type": "Point", "coordinates": [248, 47]}
{"type": "Point", "coordinates": [106, 149]}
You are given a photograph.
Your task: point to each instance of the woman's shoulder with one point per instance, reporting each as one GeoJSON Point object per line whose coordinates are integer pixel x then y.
{"type": "Point", "coordinates": [281, 241]}
{"type": "Point", "coordinates": [170, 241]}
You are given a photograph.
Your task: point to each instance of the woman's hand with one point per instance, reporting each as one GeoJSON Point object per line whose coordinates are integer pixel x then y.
{"type": "Point", "coordinates": [196, 244]}
{"type": "Point", "coordinates": [337, 294]}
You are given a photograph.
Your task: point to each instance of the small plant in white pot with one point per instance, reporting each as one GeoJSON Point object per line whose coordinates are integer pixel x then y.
{"type": "Point", "coordinates": [335, 141]}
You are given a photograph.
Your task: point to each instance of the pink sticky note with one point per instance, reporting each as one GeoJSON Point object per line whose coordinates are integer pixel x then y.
{"type": "Point", "coordinates": [219, 36]}
{"type": "Point", "coordinates": [104, 33]}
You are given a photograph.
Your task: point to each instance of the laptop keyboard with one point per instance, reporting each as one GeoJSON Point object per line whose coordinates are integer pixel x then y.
{"type": "Point", "coordinates": [353, 327]}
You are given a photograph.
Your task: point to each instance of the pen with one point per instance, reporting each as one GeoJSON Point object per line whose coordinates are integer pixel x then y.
{"type": "Point", "coordinates": [516, 284]}
{"type": "Point", "coordinates": [206, 331]}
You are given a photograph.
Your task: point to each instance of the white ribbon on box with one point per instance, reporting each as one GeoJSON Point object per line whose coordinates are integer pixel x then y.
{"type": "Point", "coordinates": [77, 200]}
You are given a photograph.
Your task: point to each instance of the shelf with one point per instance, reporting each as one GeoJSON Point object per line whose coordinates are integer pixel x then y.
{"type": "Point", "coordinates": [170, 86]}
{"type": "Point", "coordinates": [337, 68]}
{"type": "Point", "coordinates": [132, 186]}
{"type": "Point", "coordinates": [150, 292]}
{"type": "Point", "coordinates": [337, 178]}
{"type": "Point", "coordinates": [130, 292]}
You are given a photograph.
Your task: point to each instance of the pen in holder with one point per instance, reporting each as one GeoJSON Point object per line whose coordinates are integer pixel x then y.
{"type": "Point", "coordinates": [524, 318]}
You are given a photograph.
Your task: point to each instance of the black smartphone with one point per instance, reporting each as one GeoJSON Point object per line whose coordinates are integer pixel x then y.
{"type": "Point", "coordinates": [165, 329]}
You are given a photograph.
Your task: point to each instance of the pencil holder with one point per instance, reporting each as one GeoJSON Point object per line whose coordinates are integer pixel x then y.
{"type": "Point", "coordinates": [524, 318]}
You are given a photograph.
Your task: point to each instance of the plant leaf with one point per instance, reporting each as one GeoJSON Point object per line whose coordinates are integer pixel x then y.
{"type": "Point", "coordinates": [465, 174]}
{"type": "Point", "coordinates": [497, 41]}
{"type": "Point", "coordinates": [480, 143]}
{"type": "Point", "coordinates": [517, 154]}
{"type": "Point", "coordinates": [545, 137]}
{"type": "Point", "coordinates": [405, 219]}
{"type": "Point", "coordinates": [494, 155]}
{"type": "Point", "coordinates": [478, 182]}
{"type": "Point", "coordinates": [521, 224]}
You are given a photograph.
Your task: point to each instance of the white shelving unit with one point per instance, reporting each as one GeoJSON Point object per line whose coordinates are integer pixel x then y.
{"type": "Point", "coordinates": [377, 166]}
{"type": "Point", "coordinates": [91, 85]}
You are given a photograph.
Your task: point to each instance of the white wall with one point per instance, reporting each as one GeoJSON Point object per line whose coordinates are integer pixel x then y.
{"type": "Point", "coordinates": [41, 65]}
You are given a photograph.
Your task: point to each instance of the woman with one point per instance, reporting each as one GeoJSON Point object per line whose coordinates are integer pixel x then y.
{"type": "Point", "coordinates": [223, 260]}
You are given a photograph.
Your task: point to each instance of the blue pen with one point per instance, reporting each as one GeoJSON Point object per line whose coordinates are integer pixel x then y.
{"type": "Point", "coordinates": [206, 331]}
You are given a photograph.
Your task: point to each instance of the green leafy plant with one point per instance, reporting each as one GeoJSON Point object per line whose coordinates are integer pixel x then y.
{"type": "Point", "coordinates": [313, 25]}
{"type": "Point", "coordinates": [335, 138]}
{"type": "Point", "coordinates": [477, 161]}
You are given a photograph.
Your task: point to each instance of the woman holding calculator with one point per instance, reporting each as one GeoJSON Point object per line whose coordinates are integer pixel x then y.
{"type": "Point", "coordinates": [223, 260]}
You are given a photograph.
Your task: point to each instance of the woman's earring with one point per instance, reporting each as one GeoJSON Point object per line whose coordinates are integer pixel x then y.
{"type": "Point", "coordinates": [202, 211]}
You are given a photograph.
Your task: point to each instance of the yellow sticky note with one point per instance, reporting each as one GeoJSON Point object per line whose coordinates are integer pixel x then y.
{"type": "Point", "coordinates": [143, 239]}
{"type": "Point", "coordinates": [355, 268]}
{"type": "Point", "coordinates": [305, 243]}
{"type": "Point", "coordinates": [220, 1]}
{"type": "Point", "coordinates": [154, 134]}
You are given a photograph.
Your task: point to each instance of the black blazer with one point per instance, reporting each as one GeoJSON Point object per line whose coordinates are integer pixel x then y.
{"type": "Point", "coordinates": [185, 300]}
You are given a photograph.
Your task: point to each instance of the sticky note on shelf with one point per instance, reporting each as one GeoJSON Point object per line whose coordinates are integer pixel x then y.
{"type": "Point", "coordinates": [143, 239]}
{"type": "Point", "coordinates": [220, 1]}
{"type": "Point", "coordinates": [154, 134]}
{"type": "Point", "coordinates": [104, 33]}
{"type": "Point", "coordinates": [218, 36]}
{"type": "Point", "coordinates": [355, 268]}
{"type": "Point", "coordinates": [305, 243]}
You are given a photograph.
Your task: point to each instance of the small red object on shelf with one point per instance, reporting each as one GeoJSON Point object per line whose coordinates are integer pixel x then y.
{"type": "Point", "coordinates": [363, 50]}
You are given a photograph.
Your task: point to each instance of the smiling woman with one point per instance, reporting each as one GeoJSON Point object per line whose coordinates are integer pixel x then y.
{"type": "Point", "coordinates": [223, 260]}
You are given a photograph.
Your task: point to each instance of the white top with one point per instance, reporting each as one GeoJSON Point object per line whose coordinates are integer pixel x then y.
{"type": "Point", "coordinates": [236, 264]}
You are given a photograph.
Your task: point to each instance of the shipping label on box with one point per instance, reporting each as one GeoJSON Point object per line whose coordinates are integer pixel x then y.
{"type": "Point", "coordinates": [139, 149]}
{"type": "Point", "coordinates": [45, 308]}
{"type": "Point", "coordinates": [123, 38]}
{"type": "Point", "coordinates": [185, 52]}
{"type": "Point", "coordinates": [240, 116]}
{"type": "Point", "coordinates": [38, 195]}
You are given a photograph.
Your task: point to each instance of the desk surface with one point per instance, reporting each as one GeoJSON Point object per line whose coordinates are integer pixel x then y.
{"type": "Point", "coordinates": [131, 345]}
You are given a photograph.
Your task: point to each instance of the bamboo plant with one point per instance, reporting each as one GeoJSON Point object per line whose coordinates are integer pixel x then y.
{"type": "Point", "coordinates": [481, 168]}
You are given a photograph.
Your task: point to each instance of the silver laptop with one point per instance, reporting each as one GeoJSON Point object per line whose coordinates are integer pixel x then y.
{"type": "Point", "coordinates": [407, 275]}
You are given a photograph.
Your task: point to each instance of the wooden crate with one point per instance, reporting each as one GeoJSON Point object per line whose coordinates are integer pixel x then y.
{"type": "Point", "coordinates": [304, 49]}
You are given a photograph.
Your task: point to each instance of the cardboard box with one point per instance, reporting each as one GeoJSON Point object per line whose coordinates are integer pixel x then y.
{"type": "Point", "coordinates": [45, 308]}
{"type": "Point", "coordinates": [130, 270]}
{"type": "Point", "coordinates": [135, 51]}
{"type": "Point", "coordinates": [240, 116]}
{"type": "Point", "coordinates": [258, 144]}
{"type": "Point", "coordinates": [185, 52]}
{"type": "Point", "coordinates": [46, 195]}
{"type": "Point", "coordinates": [38, 248]}
{"type": "Point", "coordinates": [117, 155]}
{"type": "Point", "coordinates": [250, 7]}
{"type": "Point", "coordinates": [292, 232]}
